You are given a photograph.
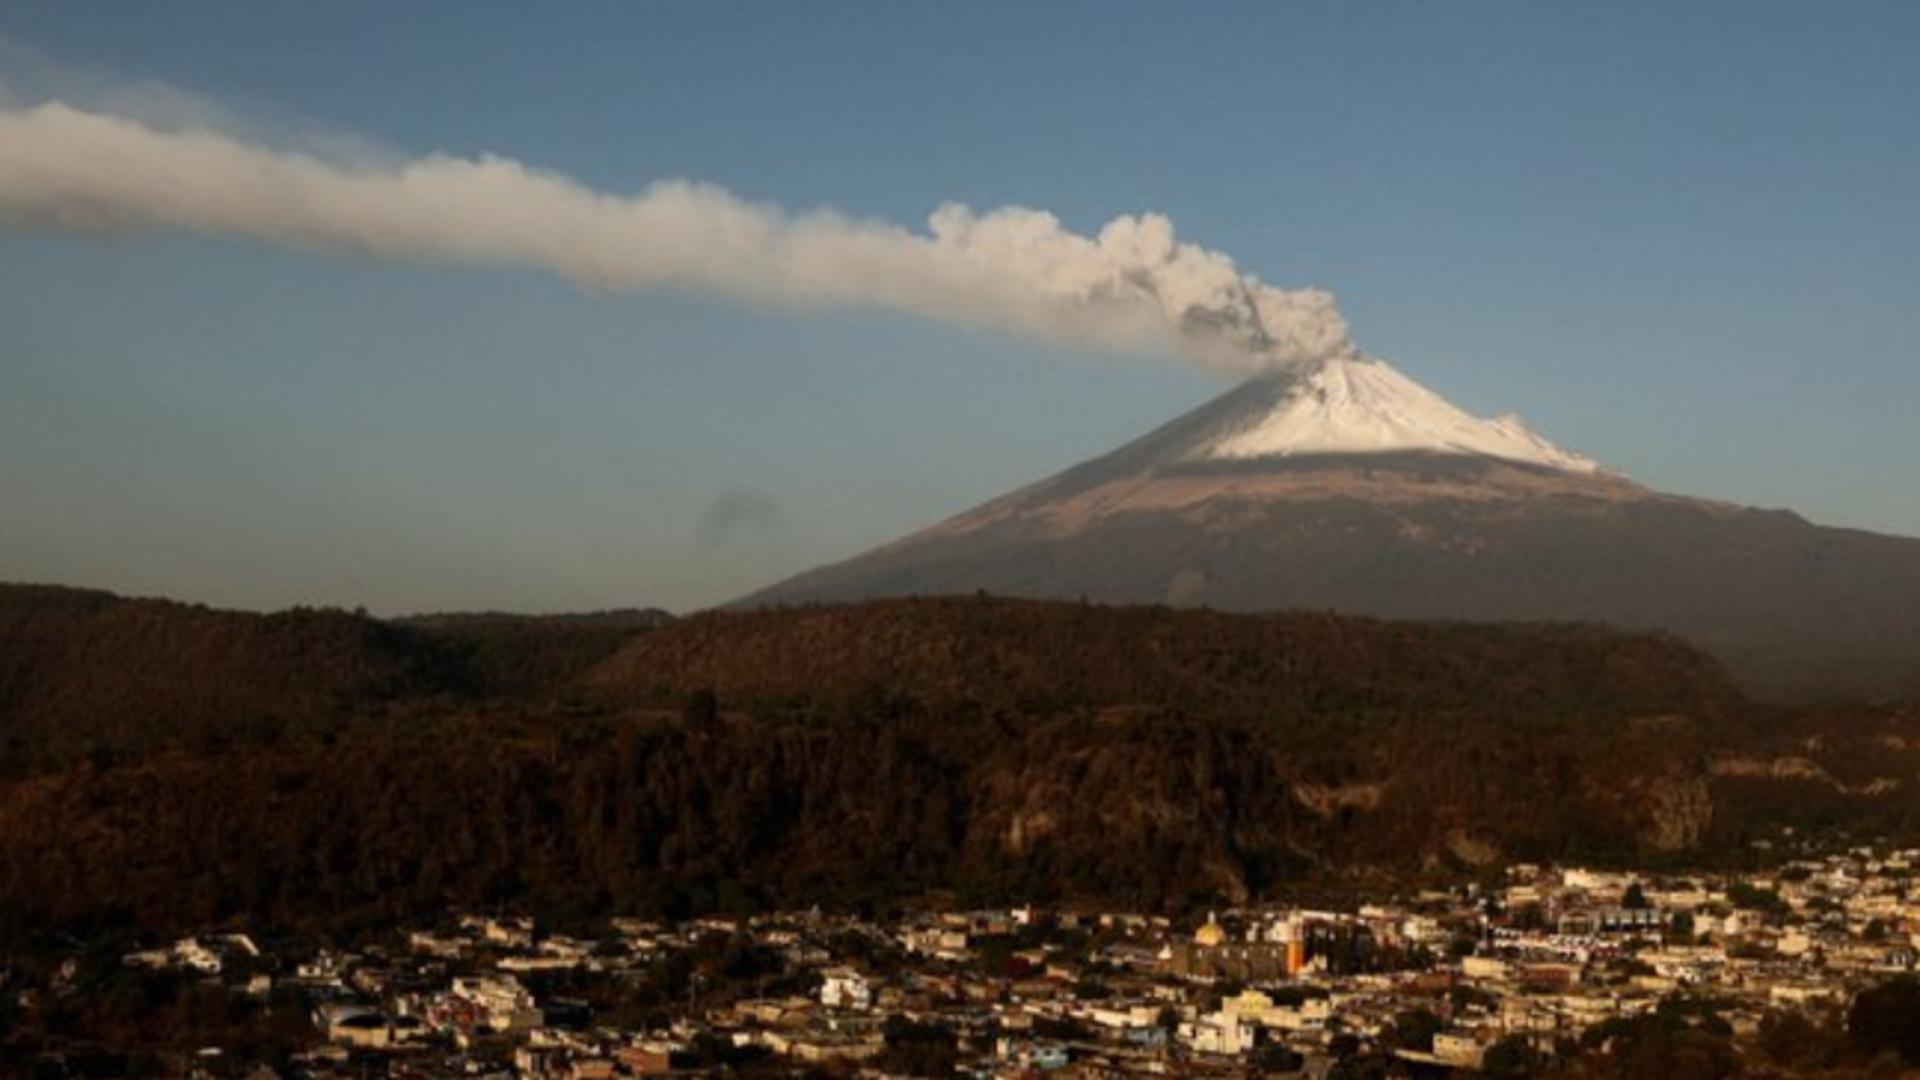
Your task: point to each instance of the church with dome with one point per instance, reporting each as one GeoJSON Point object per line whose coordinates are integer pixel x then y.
{"type": "Point", "coordinates": [1213, 953]}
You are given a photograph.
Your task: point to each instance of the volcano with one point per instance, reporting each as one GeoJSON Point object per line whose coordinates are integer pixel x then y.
{"type": "Point", "coordinates": [1348, 486]}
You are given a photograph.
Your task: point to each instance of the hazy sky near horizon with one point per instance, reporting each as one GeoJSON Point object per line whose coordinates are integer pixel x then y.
{"type": "Point", "coordinates": [1681, 238]}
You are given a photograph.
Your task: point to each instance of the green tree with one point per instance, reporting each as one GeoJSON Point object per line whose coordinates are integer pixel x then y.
{"type": "Point", "coordinates": [916, 1049]}
{"type": "Point", "coordinates": [1887, 1018]}
{"type": "Point", "coordinates": [1413, 1030]}
{"type": "Point", "coordinates": [1512, 1056]}
{"type": "Point", "coordinates": [701, 709]}
{"type": "Point", "coordinates": [1681, 928]}
{"type": "Point", "coordinates": [1792, 1041]}
{"type": "Point", "coordinates": [1273, 1057]}
{"type": "Point", "coordinates": [1753, 898]}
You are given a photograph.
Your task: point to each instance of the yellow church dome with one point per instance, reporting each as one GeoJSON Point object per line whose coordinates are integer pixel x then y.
{"type": "Point", "coordinates": [1210, 935]}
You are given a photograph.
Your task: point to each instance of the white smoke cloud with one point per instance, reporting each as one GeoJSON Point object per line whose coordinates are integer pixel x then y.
{"type": "Point", "coordinates": [1133, 285]}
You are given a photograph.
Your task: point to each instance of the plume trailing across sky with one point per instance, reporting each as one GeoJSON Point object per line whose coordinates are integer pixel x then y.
{"type": "Point", "coordinates": [1132, 285]}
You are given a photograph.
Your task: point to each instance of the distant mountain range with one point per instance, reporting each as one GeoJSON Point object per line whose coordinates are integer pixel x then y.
{"type": "Point", "coordinates": [1349, 487]}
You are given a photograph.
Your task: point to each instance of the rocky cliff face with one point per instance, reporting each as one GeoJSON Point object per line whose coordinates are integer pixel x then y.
{"type": "Point", "coordinates": [653, 813]}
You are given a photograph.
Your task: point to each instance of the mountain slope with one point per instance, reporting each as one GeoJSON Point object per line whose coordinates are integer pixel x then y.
{"type": "Point", "coordinates": [1349, 489]}
{"type": "Point", "coordinates": [1009, 748]}
{"type": "Point", "coordinates": [997, 748]}
{"type": "Point", "coordinates": [83, 669]}
{"type": "Point", "coordinates": [80, 667]}
{"type": "Point", "coordinates": [1019, 655]}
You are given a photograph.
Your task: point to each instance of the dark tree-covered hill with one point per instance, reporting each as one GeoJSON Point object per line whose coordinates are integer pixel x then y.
{"type": "Point", "coordinates": [325, 769]}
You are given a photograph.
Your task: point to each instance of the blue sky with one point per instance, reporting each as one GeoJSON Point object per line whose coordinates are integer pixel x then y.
{"type": "Point", "coordinates": [1684, 239]}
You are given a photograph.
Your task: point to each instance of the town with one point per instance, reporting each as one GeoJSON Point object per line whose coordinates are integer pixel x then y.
{"type": "Point", "coordinates": [1497, 976]}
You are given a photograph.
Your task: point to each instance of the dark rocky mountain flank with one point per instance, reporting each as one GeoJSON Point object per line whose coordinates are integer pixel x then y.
{"type": "Point", "coordinates": [977, 747]}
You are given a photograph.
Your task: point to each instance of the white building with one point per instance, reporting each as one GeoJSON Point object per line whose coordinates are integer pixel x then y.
{"type": "Point", "coordinates": [1459, 1049]}
{"type": "Point", "coordinates": [1219, 1033]}
{"type": "Point", "coordinates": [845, 988]}
{"type": "Point", "coordinates": [504, 1003]}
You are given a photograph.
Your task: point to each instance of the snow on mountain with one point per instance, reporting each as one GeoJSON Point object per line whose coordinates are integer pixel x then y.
{"type": "Point", "coordinates": [1360, 405]}
{"type": "Point", "coordinates": [1349, 487]}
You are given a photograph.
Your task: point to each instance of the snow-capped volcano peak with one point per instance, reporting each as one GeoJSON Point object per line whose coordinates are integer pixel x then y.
{"type": "Point", "coordinates": [1360, 405]}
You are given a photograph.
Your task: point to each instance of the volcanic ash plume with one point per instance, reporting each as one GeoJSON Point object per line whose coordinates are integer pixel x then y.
{"type": "Point", "coordinates": [1131, 286]}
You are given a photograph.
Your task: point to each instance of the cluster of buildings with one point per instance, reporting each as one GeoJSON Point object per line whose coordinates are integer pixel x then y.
{"type": "Point", "coordinates": [1442, 977]}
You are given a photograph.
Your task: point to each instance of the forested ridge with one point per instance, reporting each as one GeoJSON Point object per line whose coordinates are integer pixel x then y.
{"type": "Point", "coordinates": [1041, 655]}
{"type": "Point", "coordinates": [170, 766]}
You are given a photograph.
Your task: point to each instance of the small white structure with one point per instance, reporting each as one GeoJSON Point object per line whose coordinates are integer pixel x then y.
{"type": "Point", "coordinates": [1459, 1049]}
{"type": "Point", "coordinates": [1793, 943]}
{"type": "Point", "coordinates": [1483, 967]}
{"type": "Point", "coordinates": [1219, 1033]}
{"type": "Point", "coordinates": [845, 988]}
{"type": "Point", "coordinates": [187, 954]}
{"type": "Point", "coordinates": [505, 1004]}
{"type": "Point", "coordinates": [355, 1026]}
